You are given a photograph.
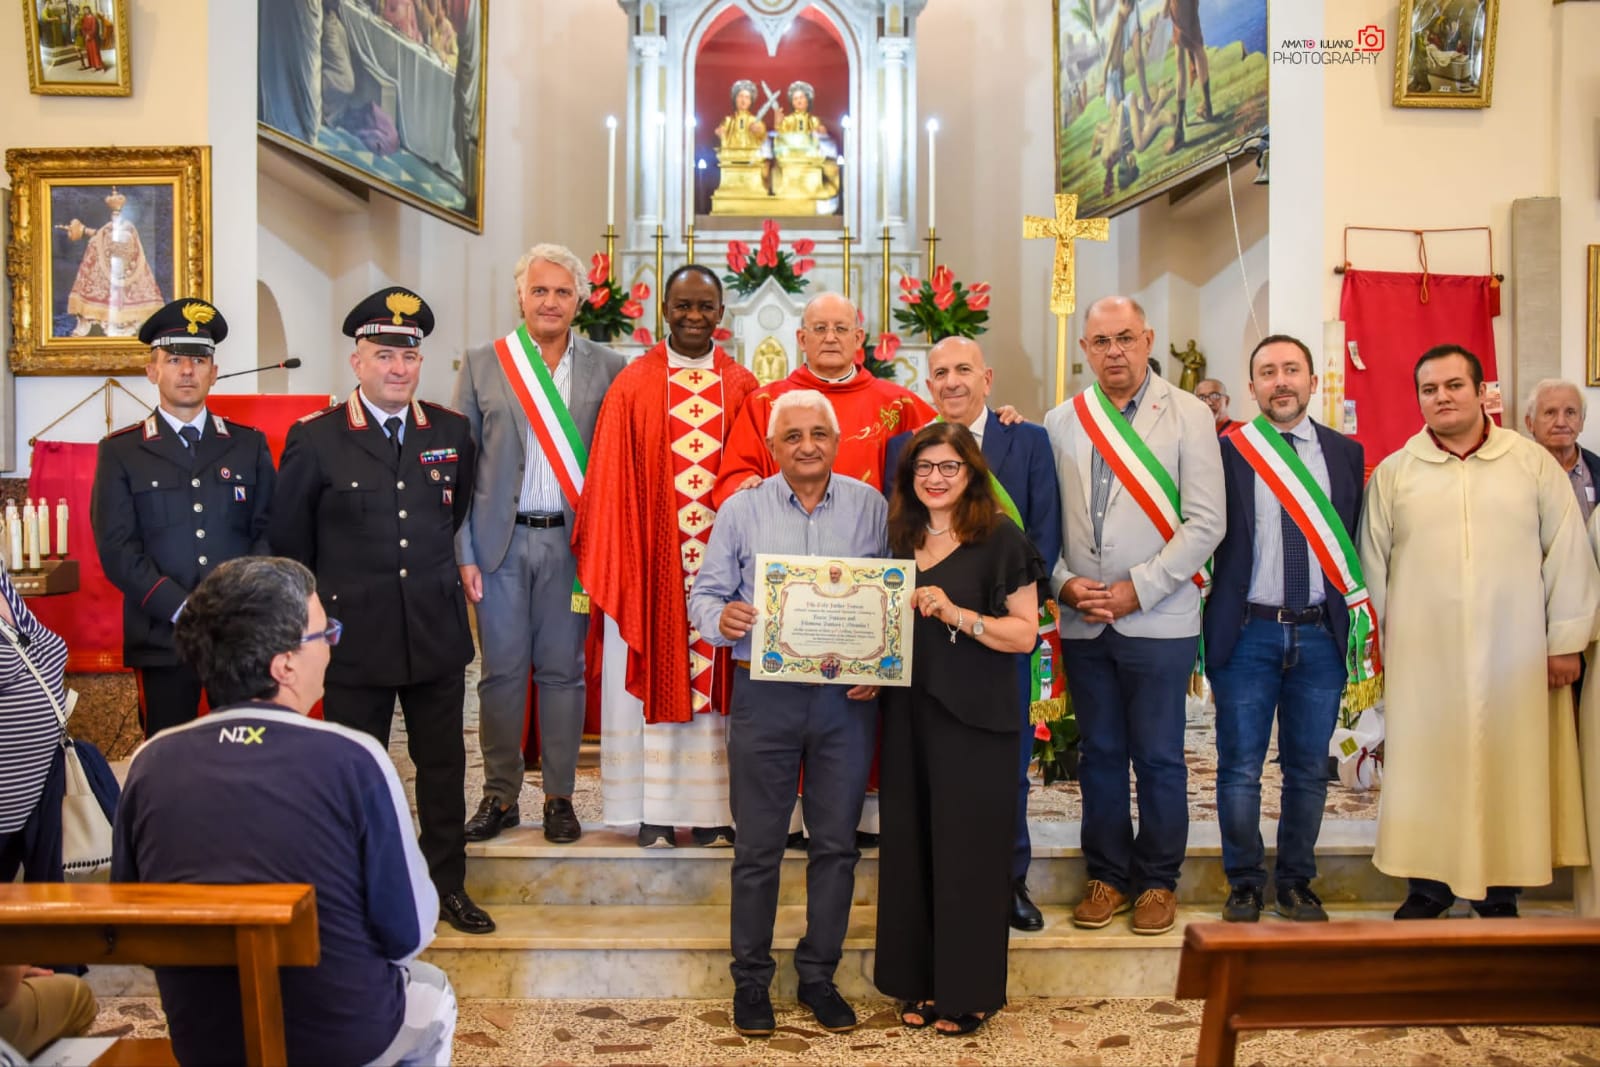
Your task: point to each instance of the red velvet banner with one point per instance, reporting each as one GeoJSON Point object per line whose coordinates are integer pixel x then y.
{"type": "Point", "coordinates": [272, 414]}
{"type": "Point", "coordinates": [1389, 320]}
{"type": "Point", "coordinates": [90, 620]}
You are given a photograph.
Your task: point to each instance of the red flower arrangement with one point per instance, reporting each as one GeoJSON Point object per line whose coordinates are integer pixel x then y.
{"type": "Point", "coordinates": [940, 307]}
{"type": "Point", "coordinates": [609, 312]}
{"type": "Point", "coordinates": [747, 271]}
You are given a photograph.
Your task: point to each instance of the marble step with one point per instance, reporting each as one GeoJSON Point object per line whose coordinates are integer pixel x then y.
{"type": "Point", "coordinates": [605, 867]}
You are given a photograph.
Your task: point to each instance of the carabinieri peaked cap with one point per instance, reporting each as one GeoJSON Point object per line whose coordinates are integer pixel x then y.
{"type": "Point", "coordinates": [187, 327]}
{"type": "Point", "coordinates": [394, 317]}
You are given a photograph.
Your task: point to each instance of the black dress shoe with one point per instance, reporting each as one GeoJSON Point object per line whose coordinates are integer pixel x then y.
{"type": "Point", "coordinates": [1497, 909]}
{"type": "Point", "coordinates": [459, 911]}
{"type": "Point", "coordinates": [653, 836]}
{"type": "Point", "coordinates": [1296, 901]}
{"type": "Point", "coordinates": [832, 1012]}
{"type": "Point", "coordinates": [866, 840]}
{"type": "Point", "coordinates": [1418, 906]}
{"type": "Point", "coordinates": [561, 826]}
{"type": "Point", "coordinates": [1243, 904]}
{"type": "Point", "coordinates": [1024, 915]}
{"type": "Point", "coordinates": [752, 1012]}
{"type": "Point", "coordinates": [490, 819]}
{"type": "Point", "coordinates": [712, 836]}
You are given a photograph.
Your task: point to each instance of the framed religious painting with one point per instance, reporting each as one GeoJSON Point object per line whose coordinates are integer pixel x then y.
{"type": "Point", "coordinates": [101, 238]}
{"type": "Point", "coordinates": [390, 95]}
{"type": "Point", "coordinates": [1592, 319]}
{"type": "Point", "coordinates": [1444, 53]}
{"type": "Point", "coordinates": [1149, 93]}
{"type": "Point", "coordinates": [78, 47]}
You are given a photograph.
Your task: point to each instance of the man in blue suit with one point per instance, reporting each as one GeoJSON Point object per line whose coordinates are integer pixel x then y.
{"type": "Point", "coordinates": [1019, 455]}
{"type": "Point", "coordinates": [1275, 633]}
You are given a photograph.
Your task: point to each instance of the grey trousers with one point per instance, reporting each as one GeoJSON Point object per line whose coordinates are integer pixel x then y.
{"type": "Point", "coordinates": [525, 620]}
{"type": "Point", "coordinates": [775, 729]}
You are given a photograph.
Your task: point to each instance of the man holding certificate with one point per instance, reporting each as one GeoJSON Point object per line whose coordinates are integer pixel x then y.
{"type": "Point", "coordinates": [776, 729]}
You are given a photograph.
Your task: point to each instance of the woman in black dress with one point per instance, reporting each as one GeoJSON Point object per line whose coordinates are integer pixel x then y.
{"type": "Point", "coordinates": [949, 771]}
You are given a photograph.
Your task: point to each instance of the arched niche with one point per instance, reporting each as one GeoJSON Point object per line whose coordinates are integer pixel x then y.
{"type": "Point", "coordinates": [272, 343]}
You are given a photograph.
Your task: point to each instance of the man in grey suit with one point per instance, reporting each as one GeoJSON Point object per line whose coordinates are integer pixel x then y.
{"type": "Point", "coordinates": [1142, 509]}
{"type": "Point", "coordinates": [531, 399]}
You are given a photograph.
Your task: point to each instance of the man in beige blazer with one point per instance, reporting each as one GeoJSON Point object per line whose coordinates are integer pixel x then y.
{"type": "Point", "coordinates": [515, 548]}
{"type": "Point", "coordinates": [1130, 616]}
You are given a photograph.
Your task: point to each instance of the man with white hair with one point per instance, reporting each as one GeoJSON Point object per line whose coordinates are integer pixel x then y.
{"type": "Point", "coordinates": [531, 399]}
{"type": "Point", "coordinates": [777, 729]}
{"type": "Point", "coordinates": [1554, 417]}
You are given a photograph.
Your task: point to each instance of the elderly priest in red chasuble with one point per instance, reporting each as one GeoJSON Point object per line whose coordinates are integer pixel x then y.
{"type": "Point", "coordinates": [641, 533]}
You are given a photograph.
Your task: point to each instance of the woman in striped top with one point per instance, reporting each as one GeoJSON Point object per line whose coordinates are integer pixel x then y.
{"type": "Point", "coordinates": [32, 763]}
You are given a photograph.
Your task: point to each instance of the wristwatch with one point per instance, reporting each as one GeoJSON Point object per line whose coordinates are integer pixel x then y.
{"type": "Point", "coordinates": [977, 626]}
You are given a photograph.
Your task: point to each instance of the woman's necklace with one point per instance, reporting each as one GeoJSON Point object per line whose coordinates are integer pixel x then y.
{"type": "Point", "coordinates": [938, 533]}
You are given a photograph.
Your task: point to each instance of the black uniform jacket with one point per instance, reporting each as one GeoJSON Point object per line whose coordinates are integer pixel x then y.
{"type": "Point", "coordinates": [164, 517]}
{"type": "Point", "coordinates": [380, 536]}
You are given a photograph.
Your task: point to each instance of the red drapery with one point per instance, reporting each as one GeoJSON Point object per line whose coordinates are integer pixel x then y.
{"type": "Point", "coordinates": [1391, 319]}
{"type": "Point", "coordinates": [272, 414]}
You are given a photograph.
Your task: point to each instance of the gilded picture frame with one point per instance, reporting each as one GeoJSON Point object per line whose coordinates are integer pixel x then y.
{"type": "Point", "coordinates": [78, 47]}
{"type": "Point", "coordinates": [1593, 317]}
{"type": "Point", "coordinates": [1444, 53]}
{"type": "Point", "coordinates": [101, 238]}
{"type": "Point", "coordinates": [392, 98]}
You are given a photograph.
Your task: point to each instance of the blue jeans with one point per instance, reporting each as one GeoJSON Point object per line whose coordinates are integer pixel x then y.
{"type": "Point", "coordinates": [1128, 694]}
{"type": "Point", "coordinates": [1297, 671]}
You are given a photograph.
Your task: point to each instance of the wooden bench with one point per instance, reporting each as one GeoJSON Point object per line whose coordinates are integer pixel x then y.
{"type": "Point", "coordinates": [1274, 976]}
{"type": "Point", "coordinates": [256, 928]}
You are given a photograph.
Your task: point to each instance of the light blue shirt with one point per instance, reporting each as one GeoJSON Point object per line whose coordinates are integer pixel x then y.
{"type": "Point", "coordinates": [852, 519]}
{"type": "Point", "coordinates": [383, 416]}
{"type": "Point", "coordinates": [198, 422]}
{"type": "Point", "coordinates": [1266, 580]}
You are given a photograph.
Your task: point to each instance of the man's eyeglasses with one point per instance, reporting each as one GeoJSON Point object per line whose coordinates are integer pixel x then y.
{"type": "Point", "coordinates": [822, 329]}
{"type": "Point", "coordinates": [1123, 341]}
{"type": "Point", "coordinates": [330, 635]}
{"type": "Point", "coordinates": [949, 468]}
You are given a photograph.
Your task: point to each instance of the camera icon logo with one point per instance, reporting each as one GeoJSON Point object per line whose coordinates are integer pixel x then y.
{"type": "Point", "coordinates": [1369, 39]}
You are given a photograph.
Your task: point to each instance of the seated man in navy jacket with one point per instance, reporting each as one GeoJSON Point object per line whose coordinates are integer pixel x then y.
{"type": "Point", "coordinates": [1019, 455]}
{"type": "Point", "coordinates": [256, 792]}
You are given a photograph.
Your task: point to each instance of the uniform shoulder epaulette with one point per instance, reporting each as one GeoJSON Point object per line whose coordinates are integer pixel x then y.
{"type": "Point", "coordinates": [126, 429]}
{"type": "Point", "coordinates": [441, 407]}
{"type": "Point", "coordinates": [318, 414]}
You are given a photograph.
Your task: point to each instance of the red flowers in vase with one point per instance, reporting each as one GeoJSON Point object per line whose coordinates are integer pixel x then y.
{"type": "Point", "coordinates": [941, 307]}
{"type": "Point", "coordinates": [610, 312]}
{"type": "Point", "coordinates": [746, 271]}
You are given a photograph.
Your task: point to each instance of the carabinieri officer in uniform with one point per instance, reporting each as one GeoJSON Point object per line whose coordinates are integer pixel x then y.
{"type": "Point", "coordinates": [370, 494]}
{"type": "Point", "coordinates": [174, 497]}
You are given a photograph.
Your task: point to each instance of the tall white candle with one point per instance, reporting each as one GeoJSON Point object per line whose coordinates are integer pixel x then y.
{"type": "Point", "coordinates": [30, 534]}
{"type": "Point", "coordinates": [14, 534]}
{"type": "Point", "coordinates": [849, 172]}
{"type": "Point", "coordinates": [688, 181]}
{"type": "Point", "coordinates": [61, 528]}
{"type": "Point", "coordinates": [42, 510]}
{"type": "Point", "coordinates": [883, 178]}
{"type": "Point", "coordinates": [661, 168]}
{"type": "Point", "coordinates": [611, 170]}
{"type": "Point", "coordinates": [933, 128]}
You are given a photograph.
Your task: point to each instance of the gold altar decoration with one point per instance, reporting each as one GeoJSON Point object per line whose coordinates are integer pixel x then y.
{"type": "Point", "coordinates": [794, 174]}
{"type": "Point", "coordinates": [741, 137]}
{"type": "Point", "coordinates": [1066, 228]}
{"type": "Point", "coordinates": [769, 363]}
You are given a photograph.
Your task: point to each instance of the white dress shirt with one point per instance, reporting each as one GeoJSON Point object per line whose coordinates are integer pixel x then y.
{"type": "Point", "coordinates": [541, 492]}
{"type": "Point", "coordinates": [978, 425]}
{"type": "Point", "coordinates": [198, 422]}
{"type": "Point", "coordinates": [1266, 580]}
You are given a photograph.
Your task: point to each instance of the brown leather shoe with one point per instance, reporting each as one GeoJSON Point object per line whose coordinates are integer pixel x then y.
{"type": "Point", "coordinates": [1155, 912]}
{"type": "Point", "coordinates": [1099, 905]}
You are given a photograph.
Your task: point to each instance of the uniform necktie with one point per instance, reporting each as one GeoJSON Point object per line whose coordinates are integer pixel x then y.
{"type": "Point", "coordinates": [190, 435]}
{"type": "Point", "coordinates": [392, 424]}
{"type": "Point", "coordinates": [1296, 557]}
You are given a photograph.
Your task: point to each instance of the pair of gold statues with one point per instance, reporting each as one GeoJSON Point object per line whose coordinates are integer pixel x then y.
{"type": "Point", "coordinates": [795, 175]}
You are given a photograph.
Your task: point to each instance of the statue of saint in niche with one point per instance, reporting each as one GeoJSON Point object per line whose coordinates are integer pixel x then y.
{"type": "Point", "coordinates": [805, 167]}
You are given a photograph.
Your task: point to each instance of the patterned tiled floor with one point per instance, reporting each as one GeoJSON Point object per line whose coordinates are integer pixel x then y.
{"type": "Point", "coordinates": [1038, 1031]}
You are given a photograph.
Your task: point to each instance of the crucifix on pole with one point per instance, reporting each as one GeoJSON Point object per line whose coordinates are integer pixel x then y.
{"type": "Point", "coordinates": [1066, 228]}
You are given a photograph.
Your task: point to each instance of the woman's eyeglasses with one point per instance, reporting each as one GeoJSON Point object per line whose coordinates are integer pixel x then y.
{"type": "Point", "coordinates": [949, 468]}
{"type": "Point", "coordinates": [330, 635]}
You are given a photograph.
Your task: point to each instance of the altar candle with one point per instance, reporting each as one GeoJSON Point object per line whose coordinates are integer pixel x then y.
{"type": "Point", "coordinates": [883, 179]}
{"type": "Point", "coordinates": [30, 533]}
{"type": "Point", "coordinates": [14, 535]}
{"type": "Point", "coordinates": [611, 170]}
{"type": "Point", "coordinates": [661, 168]}
{"type": "Point", "coordinates": [933, 128]}
{"type": "Point", "coordinates": [847, 172]}
{"type": "Point", "coordinates": [42, 510]}
{"type": "Point", "coordinates": [61, 528]}
{"type": "Point", "coordinates": [688, 183]}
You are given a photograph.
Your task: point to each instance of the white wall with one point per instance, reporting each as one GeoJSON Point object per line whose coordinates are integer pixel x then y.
{"type": "Point", "coordinates": [1577, 134]}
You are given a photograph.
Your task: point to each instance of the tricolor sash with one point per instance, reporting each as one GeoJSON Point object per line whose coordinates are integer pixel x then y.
{"type": "Point", "coordinates": [552, 423]}
{"type": "Point", "coordinates": [1283, 472]}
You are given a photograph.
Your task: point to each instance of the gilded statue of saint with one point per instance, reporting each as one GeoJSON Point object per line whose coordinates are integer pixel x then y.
{"type": "Point", "coordinates": [1194, 365]}
{"type": "Point", "coordinates": [742, 130]}
{"type": "Point", "coordinates": [801, 120]}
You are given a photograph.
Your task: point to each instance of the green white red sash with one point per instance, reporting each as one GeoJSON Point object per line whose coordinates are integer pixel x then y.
{"type": "Point", "coordinates": [1284, 474]}
{"type": "Point", "coordinates": [1136, 467]}
{"type": "Point", "coordinates": [552, 423]}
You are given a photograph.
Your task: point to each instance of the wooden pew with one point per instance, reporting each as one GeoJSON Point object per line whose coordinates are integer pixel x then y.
{"type": "Point", "coordinates": [1275, 976]}
{"type": "Point", "coordinates": [256, 928]}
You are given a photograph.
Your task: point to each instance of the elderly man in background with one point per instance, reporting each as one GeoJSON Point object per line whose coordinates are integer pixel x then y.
{"type": "Point", "coordinates": [1554, 418]}
{"type": "Point", "coordinates": [531, 400]}
{"type": "Point", "coordinates": [1215, 394]}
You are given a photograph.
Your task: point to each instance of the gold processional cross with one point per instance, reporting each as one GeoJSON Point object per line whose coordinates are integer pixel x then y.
{"type": "Point", "coordinates": [1066, 228]}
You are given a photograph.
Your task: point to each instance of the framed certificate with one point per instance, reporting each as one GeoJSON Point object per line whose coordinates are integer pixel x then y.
{"type": "Point", "coordinates": [836, 620]}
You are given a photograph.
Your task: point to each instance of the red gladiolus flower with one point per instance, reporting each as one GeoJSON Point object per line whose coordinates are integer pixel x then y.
{"type": "Point", "coordinates": [942, 300]}
{"type": "Point", "coordinates": [888, 345]}
{"type": "Point", "coordinates": [642, 336]}
{"type": "Point", "coordinates": [721, 333]}
{"type": "Point", "coordinates": [599, 296]}
{"type": "Point", "coordinates": [803, 265]}
{"type": "Point", "coordinates": [943, 278]}
{"type": "Point", "coordinates": [599, 269]}
{"type": "Point", "coordinates": [981, 288]}
{"type": "Point", "coordinates": [804, 247]}
{"type": "Point", "coordinates": [1041, 732]}
{"type": "Point", "coordinates": [640, 292]}
{"type": "Point", "coordinates": [978, 301]}
{"type": "Point", "coordinates": [632, 309]}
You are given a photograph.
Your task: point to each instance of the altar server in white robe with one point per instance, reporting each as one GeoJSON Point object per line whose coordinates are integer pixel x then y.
{"type": "Point", "coordinates": [1486, 591]}
{"type": "Point", "coordinates": [1586, 881]}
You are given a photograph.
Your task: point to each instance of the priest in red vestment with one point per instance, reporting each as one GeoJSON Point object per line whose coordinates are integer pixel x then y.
{"type": "Point", "coordinates": [641, 531]}
{"type": "Point", "coordinates": [870, 409]}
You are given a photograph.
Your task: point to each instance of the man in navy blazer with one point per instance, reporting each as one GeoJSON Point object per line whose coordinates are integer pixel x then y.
{"type": "Point", "coordinates": [1019, 455]}
{"type": "Point", "coordinates": [1275, 631]}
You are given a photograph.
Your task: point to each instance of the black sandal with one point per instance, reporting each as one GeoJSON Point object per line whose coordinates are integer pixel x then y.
{"type": "Point", "coordinates": [965, 1024]}
{"type": "Point", "coordinates": [924, 1009]}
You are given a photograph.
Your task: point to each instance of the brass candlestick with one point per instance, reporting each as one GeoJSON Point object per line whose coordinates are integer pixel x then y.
{"type": "Point", "coordinates": [933, 246]}
{"type": "Point", "coordinates": [846, 240]}
{"type": "Point", "coordinates": [885, 287]}
{"type": "Point", "coordinates": [611, 252]}
{"type": "Point", "coordinates": [661, 260]}
{"type": "Point", "coordinates": [688, 240]}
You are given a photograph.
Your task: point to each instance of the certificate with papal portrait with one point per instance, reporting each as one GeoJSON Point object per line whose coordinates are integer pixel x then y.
{"type": "Point", "coordinates": [833, 619]}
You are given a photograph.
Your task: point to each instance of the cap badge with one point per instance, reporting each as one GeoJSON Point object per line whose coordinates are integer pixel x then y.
{"type": "Point", "coordinates": [402, 304]}
{"type": "Point", "coordinates": [197, 314]}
